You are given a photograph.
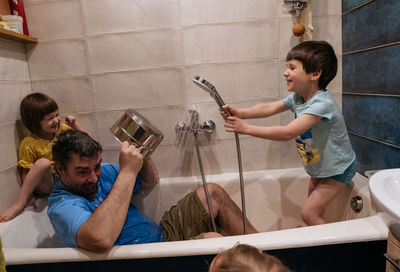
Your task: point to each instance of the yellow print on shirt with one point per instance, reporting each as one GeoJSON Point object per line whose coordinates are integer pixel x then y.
{"type": "Point", "coordinates": [310, 156]}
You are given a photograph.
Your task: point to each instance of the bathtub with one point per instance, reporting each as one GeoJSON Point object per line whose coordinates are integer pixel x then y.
{"type": "Point", "coordinates": [273, 202]}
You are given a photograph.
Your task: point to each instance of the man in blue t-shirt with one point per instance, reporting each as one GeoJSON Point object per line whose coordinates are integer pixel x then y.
{"type": "Point", "coordinates": [90, 206]}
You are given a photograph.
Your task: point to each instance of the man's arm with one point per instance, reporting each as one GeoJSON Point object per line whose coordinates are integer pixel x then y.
{"type": "Point", "coordinates": [149, 174]}
{"type": "Point", "coordinates": [104, 226]}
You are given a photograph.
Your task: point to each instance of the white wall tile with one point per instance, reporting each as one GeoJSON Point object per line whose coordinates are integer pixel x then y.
{"type": "Point", "coordinates": [329, 28]}
{"type": "Point", "coordinates": [88, 123]}
{"type": "Point", "coordinates": [138, 89]}
{"type": "Point", "coordinates": [234, 81]}
{"type": "Point", "coordinates": [71, 94]}
{"type": "Point", "coordinates": [326, 7]}
{"type": "Point", "coordinates": [13, 62]}
{"type": "Point", "coordinates": [134, 50]}
{"type": "Point", "coordinates": [210, 11]}
{"type": "Point", "coordinates": [286, 38]}
{"type": "Point", "coordinates": [53, 20]}
{"type": "Point", "coordinates": [60, 58]}
{"type": "Point", "coordinates": [230, 42]}
{"type": "Point", "coordinates": [9, 188]}
{"type": "Point", "coordinates": [11, 95]}
{"type": "Point", "coordinates": [106, 16]}
{"type": "Point", "coordinates": [8, 146]}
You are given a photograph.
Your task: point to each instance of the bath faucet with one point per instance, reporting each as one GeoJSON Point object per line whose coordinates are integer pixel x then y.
{"type": "Point", "coordinates": [194, 126]}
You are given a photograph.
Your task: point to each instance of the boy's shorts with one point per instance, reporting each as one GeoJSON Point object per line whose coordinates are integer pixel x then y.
{"type": "Point", "coordinates": [348, 174]}
{"type": "Point", "coordinates": [188, 219]}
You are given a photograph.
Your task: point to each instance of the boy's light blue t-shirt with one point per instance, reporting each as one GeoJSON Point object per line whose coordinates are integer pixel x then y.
{"type": "Point", "coordinates": [68, 211]}
{"type": "Point", "coordinates": [325, 149]}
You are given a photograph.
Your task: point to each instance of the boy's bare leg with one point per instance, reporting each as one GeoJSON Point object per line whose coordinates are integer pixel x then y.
{"type": "Point", "coordinates": [225, 210]}
{"type": "Point", "coordinates": [40, 177]}
{"type": "Point", "coordinates": [321, 193]}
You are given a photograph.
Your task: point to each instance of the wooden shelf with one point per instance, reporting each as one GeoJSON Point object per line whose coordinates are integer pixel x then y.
{"type": "Point", "coordinates": [14, 36]}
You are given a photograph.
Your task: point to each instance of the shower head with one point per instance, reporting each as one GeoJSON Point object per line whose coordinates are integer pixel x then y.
{"type": "Point", "coordinates": [205, 85]}
{"type": "Point", "coordinates": [208, 87]}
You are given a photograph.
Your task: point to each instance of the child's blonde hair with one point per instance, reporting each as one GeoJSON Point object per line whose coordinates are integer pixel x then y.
{"type": "Point", "coordinates": [246, 258]}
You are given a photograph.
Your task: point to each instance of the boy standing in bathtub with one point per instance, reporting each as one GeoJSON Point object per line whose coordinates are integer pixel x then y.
{"type": "Point", "coordinates": [319, 129]}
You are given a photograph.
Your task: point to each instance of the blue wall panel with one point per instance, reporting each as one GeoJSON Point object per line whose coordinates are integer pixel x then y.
{"type": "Point", "coordinates": [349, 4]}
{"type": "Point", "coordinates": [373, 24]}
{"type": "Point", "coordinates": [373, 116]}
{"type": "Point", "coordinates": [373, 71]}
{"type": "Point", "coordinates": [372, 155]}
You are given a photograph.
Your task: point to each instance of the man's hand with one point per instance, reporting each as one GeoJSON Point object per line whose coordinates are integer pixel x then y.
{"type": "Point", "coordinates": [130, 159]}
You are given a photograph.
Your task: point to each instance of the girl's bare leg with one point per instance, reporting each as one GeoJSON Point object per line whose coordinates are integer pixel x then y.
{"type": "Point", "coordinates": [40, 177]}
{"type": "Point", "coordinates": [321, 193]}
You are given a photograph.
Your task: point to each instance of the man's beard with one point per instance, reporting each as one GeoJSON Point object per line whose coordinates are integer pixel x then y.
{"type": "Point", "coordinates": [87, 190]}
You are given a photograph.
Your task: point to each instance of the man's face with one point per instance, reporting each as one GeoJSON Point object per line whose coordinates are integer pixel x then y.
{"type": "Point", "coordinates": [81, 175]}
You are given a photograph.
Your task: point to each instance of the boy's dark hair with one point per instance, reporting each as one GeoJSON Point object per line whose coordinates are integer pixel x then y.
{"type": "Point", "coordinates": [34, 107]}
{"type": "Point", "coordinates": [316, 56]}
{"type": "Point", "coordinates": [71, 142]}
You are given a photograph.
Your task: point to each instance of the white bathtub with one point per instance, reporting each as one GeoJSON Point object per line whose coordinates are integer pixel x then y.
{"type": "Point", "coordinates": [273, 200]}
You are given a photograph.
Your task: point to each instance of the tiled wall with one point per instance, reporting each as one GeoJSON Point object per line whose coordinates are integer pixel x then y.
{"type": "Point", "coordinates": [14, 85]}
{"type": "Point", "coordinates": [97, 58]}
{"type": "Point", "coordinates": [371, 81]}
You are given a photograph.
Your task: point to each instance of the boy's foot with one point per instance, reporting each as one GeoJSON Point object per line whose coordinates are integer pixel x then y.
{"type": "Point", "coordinates": [11, 213]}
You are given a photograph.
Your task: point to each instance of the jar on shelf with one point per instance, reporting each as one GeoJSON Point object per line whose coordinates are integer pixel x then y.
{"type": "Point", "coordinates": [14, 22]}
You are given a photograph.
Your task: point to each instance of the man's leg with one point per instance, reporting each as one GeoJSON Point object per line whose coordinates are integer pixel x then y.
{"type": "Point", "coordinates": [224, 210]}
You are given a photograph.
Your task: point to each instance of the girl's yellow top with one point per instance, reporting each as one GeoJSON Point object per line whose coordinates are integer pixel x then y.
{"type": "Point", "coordinates": [2, 259]}
{"type": "Point", "coordinates": [33, 148]}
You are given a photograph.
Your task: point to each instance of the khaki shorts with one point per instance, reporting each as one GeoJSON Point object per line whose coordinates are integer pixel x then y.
{"type": "Point", "coordinates": [186, 220]}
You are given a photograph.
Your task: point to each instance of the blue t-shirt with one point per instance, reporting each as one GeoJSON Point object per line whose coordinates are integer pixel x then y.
{"type": "Point", "coordinates": [325, 149]}
{"type": "Point", "coordinates": [68, 211]}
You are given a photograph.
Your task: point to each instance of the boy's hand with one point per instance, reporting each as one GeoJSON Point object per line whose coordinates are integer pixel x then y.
{"type": "Point", "coordinates": [70, 120]}
{"type": "Point", "coordinates": [235, 124]}
{"type": "Point", "coordinates": [231, 109]}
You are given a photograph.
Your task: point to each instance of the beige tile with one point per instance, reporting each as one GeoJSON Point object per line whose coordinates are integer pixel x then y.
{"type": "Point", "coordinates": [326, 7]}
{"type": "Point", "coordinates": [106, 16]}
{"type": "Point", "coordinates": [134, 50]}
{"type": "Point", "coordinates": [289, 155]}
{"type": "Point", "coordinates": [138, 89]}
{"type": "Point", "coordinates": [13, 62]}
{"type": "Point", "coordinates": [71, 94]}
{"type": "Point", "coordinates": [230, 42]}
{"type": "Point", "coordinates": [9, 187]}
{"type": "Point", "coordinates": [59, 58]}
{"type": "Point", "coordinates": [87, 121]}
{"type": "Point", "coordinates": [10, 96]}
{"type": "Point", "coordinates": [209, 11]}
{"type": "Point", "coordinates": [329, 28]}
{"type": "Point", "coordinates": [335, 86]}
{"type": "Point", "coordinates": [8, 146]}
{"type": "Point", "coordinates": [234, 81]}
{"type": "Point", "coordinates": [53, 20]}
{"type": "Point", "coordinates": [174, 161]}
{"type": "Point", "coordinates": [286, 38]}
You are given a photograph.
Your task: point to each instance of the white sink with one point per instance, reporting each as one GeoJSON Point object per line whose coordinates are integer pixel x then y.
{"type": "Point", "coordinates": [385, 193]}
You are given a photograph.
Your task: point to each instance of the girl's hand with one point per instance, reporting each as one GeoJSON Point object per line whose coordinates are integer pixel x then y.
{"type": "Point", "coordinates": [235, 124]}
{"type": "Point", "coordinates": [70, 120]}
{"type": "Point", "coordinates": [231, 109]}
